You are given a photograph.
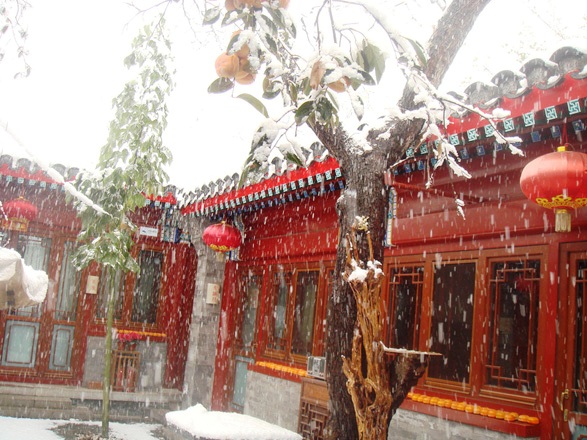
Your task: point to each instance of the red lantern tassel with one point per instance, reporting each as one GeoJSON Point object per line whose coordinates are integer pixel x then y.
{"type": "Point", "coordinates": [562, 220]}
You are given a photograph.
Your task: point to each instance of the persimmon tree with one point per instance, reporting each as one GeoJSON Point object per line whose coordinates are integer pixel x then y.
{"type": "Point", "coordinates": [319, 68]}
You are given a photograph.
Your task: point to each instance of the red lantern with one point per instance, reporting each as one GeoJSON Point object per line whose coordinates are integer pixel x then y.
{"type": "Point", "coordinates": [19, 213]}
{"type": "Point", "coordinates": [557, 181]}
{"type": "Point", "coordinates": [222, 237]}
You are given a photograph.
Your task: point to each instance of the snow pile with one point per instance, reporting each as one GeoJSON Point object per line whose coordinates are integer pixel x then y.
{"type": "Point", "coordinates": [201, 423]}
{"type": "Point", "coordinates": [20, 285]}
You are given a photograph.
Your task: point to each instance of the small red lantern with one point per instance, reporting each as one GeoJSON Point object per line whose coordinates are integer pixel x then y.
{"type": "Point", "coordinates": [222, 237]}
{"type": "Point", "coordinates": [19, 213]}
{"type": "Point", "coordinates": [557, 181]}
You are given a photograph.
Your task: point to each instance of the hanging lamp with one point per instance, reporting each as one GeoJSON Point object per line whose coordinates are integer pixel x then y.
{"type": "Point", "coordinates": [19, 212]}
{"type": "Point", "coordinates": [222, 237]}
{"type": "Point", "coordinates": [557, 181]}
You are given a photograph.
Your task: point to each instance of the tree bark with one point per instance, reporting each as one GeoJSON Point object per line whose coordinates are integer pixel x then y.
{"type": "Point", "coordinates": [108, 355]}
{"type": "Point", "coordinates": [365, 195]}
{"type": "Point", "coordinates": [367, 370]}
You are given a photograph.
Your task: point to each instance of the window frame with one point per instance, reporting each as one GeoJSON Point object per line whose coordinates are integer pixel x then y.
{"type": "Point", "coordinates": [390, 302]}
{"type": "Point", "coordinates": [128, 287]}
{"type": "Point", "coordinates": [101, 302]}
{"type": "Point", "coordinates": [135, 295]}
{"type": "Point", "coordinates": [484, 258]}
{"type": "Point", "coordinates": [266, 318]}
{"type": "Point", "coordinates": [539, 253]}
{"type": "Point", "coordinates": [447, 383]}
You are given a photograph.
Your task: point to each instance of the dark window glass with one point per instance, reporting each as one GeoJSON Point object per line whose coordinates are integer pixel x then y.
{"type": "Point", "coordinates": [451, 324]}
{"type": "Point", "coordinates": [148, 284]}
{"type": "Point", "coordinates": [69, 279]}
{"type": "Point", "coordinates": [248, 312]}
{"type": "Point", "coordinates": [304, 312]}
{"type": "Point", "coordinates": [278, 320]}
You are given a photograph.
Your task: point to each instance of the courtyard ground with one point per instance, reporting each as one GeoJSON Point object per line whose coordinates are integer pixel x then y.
{"type": "Point", "coordinates": [43, 429]}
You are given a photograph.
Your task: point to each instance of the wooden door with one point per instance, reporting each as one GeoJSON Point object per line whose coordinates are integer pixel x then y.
{"type": "Point", "coordinates": [571, 385]}
{"type": "Point", "coordinates": [249, 291]}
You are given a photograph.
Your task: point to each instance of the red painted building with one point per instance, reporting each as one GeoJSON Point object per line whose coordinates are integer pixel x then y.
{"type": "Point", "coordinates": [499, 293]}
{"type": "Point", "coordinates": [60, 341]}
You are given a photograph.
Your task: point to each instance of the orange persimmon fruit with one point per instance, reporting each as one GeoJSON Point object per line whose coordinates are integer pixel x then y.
{"type": "Point", "coordinates": [226, 65]}
{"type": "Point", "coordinates": [244, 78]}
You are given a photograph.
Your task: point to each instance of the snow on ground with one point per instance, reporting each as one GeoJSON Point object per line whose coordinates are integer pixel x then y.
{"type": "Point", "coordinates": [195, 420]}
{"type": "Point", "coordinates": [40, 429]}
{"type": "Point", "coordinates": [226, 426]}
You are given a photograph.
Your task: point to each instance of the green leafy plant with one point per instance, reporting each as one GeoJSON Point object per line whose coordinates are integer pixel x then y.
{"type": "Point", "coordinates": [130, 165]}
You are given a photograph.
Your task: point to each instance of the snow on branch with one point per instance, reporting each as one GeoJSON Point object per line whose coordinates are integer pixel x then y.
{"type": "Point", "coordinates": [406, 48]}
{"type": "Point", "coordinates": [406, 352]}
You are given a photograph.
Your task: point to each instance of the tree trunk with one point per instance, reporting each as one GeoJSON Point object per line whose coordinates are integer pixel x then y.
{"type": "Point", "coordinates": [364, 196]}
{"type": "Point", "coordinates": [108, 355]}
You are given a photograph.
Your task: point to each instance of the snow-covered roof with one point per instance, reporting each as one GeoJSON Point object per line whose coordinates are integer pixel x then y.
{"type": "Point", "coordinates": [26, 171]}
{"type": "Point", "coordinates": [24, 168]}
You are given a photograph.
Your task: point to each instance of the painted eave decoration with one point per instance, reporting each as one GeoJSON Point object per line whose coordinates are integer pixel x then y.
{"type": "Point", "coordinates": [221, 199]}
{"type": "Point", "coordinates": [165, 201]}
{"type": "Point", "coordinates": [542, 97]}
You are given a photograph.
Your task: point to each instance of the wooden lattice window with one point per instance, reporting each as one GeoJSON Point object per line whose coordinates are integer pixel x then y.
{"type": "Point", "coordinates": [147, 287]}
{"type": "Point", "coordinates": [35, 252]}
{"type": "Point", "coordinates": [405, 296]}
{"type": "Point", "coordinates": [105, 285]}
{"type": "Point", "coordinates": [136, 297]}
{"type": "Point", "coordinates": [291, 314]}
{"type": "Point", "coordinates": [68, 287]}
{"type": "Point", "coordinates": [513, 324]}
{"type": "Point", "coordinates": [313, 418]}
{"type": "Point", "coordinates": [579, 389]}
{"type": "Point", "coordinates": [280, 298]}
{"type": "Point", "coordinates": [313, 413]}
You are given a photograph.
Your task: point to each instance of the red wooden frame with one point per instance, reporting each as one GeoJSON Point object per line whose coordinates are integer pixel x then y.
{"type": "Point", "coordinates": [58, 220]}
